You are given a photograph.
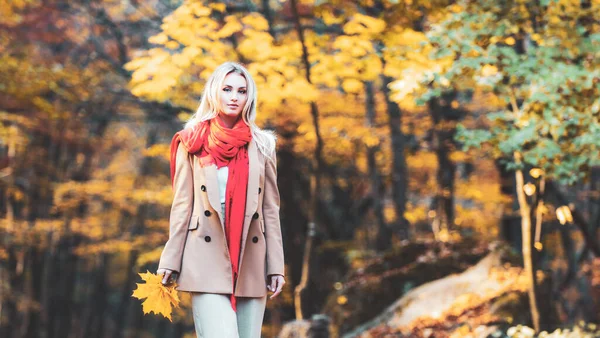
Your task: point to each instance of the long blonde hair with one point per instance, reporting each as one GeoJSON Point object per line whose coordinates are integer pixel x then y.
{"type": "Point", "coordinates": [209, 105]}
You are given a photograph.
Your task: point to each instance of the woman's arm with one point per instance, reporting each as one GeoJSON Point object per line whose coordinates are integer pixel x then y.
{"type": "Point", "coordinates": [270, 208]}
{"type": "Point", "coordinates": [181, 211]}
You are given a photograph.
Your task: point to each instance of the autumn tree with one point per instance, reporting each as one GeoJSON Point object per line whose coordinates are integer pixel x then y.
{"type": "Point", "coordinates": [63, 97]}
{"type": "Point", "coordinates": [538, 59]}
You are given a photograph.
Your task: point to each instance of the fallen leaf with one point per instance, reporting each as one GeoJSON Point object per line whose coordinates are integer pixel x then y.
{"type": "Point", "coordinates": [160, 299]}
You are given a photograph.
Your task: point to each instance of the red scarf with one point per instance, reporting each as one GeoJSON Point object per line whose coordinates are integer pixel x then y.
{"type": "Point", "coordinates": [213, 143]}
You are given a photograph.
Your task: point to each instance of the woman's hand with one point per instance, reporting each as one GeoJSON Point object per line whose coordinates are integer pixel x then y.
{"type": "Point", "coordinates": [277, 282]}
{"type": "Point", "coordinates": [167, 275]}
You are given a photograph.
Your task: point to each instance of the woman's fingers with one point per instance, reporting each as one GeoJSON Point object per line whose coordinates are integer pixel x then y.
{"type": "Point", "coordinates": [167, 275]}
{"type": "Point", "coordinates": [273, 284]}
{"type": "Point", "coordinates": [277, 283]}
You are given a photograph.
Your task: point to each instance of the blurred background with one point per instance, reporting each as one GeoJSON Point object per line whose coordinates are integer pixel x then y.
{"type": "Point", "coordinates": [439, 161]}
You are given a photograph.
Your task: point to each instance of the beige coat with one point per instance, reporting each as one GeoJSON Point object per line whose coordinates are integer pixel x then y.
{"type": "Point", "coordinates": [197, 248]}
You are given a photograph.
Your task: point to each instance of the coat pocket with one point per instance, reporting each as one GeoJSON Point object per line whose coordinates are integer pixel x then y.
{"type": "Point", "coordinates": [194, 222]}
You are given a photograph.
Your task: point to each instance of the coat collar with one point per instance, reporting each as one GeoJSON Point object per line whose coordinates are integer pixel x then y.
{"type": "Point", "coordinates": [212, 187]}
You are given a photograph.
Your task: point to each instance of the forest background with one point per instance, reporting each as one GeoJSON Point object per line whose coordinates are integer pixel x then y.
{"type": "Point", "coordinates": [415, 139]}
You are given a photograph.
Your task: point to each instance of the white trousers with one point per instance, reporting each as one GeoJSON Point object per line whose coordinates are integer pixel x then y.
{"type": "Point", "coordinates": [214, 317]}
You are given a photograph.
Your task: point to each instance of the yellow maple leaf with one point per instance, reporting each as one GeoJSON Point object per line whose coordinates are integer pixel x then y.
{"type": "Point", "coordinates": [160, 299]}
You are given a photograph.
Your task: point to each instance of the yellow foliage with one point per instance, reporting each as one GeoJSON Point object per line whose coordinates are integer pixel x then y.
{"type": "Point", "coordinates": [536, 172]}
{"type": "Point", "coordinates": [256, 46]}
{"type": "Point", "coordinates": [232, 25]}
{"type": "Point", "coordinates": [198, 9]}
{"type": "Point", "coordinates": [389, 213]}
{"type": "Point", "coordinates": [159, 39]}
{"type": "Point", "coordinates": [364, 24]}
{"type": "Point", "coordinates": [9, 10]}
{"type": "Point", "coordinates": [371, 140]}
{"type": "Point", "coordinates": [329, 18]}
{"type": "Point", "coordinates": [160, 299]}
{"type": "Point", "coordinates": [489, 70]}
{"type": "Point", "coordinates": [299, 88]}
{"type": "Point", "coordinates": [563, 213]}
{"type": "Point", "coordinates": [352, 86]}
{"type": "Point", "coordinates": [149, 257]}
{"type": "Point", "coordinates": [161, 150]}
{"type": "Point", "coordinates": [529, 189]}
{"type": "Point", "coordinates": [458, 156]}
{"type": "Point", "coordinates": [219, 7]}
{"type": "Point", "coordinates": [415, 213]}
{"type": "Point", "coordinates": [255, 21]}
{"type": "Point", "coordinates": [344, 42]}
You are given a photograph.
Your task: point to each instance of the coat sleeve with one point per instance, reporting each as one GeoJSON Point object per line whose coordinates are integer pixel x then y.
{"type": "Point", "coordinates": [181, 209]}
{"type": "Point", "coordinates": [275, 259]}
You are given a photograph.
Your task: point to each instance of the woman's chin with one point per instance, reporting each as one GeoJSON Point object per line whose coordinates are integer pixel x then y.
{"type": "Point", "coordinates": [231, 114]}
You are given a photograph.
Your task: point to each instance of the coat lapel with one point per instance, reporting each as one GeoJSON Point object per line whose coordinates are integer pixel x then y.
{"type": "Point", "coordinates": [251, 196]}
{"type": "Point", "coordinates": [212, 187]}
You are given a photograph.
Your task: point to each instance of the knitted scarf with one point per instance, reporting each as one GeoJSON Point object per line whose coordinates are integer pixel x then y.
{"type": "Point", "coordinates": [213, 143]}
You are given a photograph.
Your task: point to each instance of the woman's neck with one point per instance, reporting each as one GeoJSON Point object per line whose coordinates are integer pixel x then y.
{"type": "Point", "coordinates": [229, 121]}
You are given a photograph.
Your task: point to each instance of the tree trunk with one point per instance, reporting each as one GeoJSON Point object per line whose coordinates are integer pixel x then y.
{"type": "Point", "coordinates": [137, 229]}
{"type": "Point", "coordinates": [384, 240]}
{"type": "Point", "coordinates": [442, 140]}
{"type": "Point", "coordinates": [266, 11]}
{"type": "Point", "coordinates": [569, 250]}
{"type": "Point", "coordinates": [35, 280]}
{"type": "Point", "coordinates": [93, 317]}
{"type": "Point", "coordinates": [9, 305]}
{"type": "Point", "coordinates": [510, 223]}
{"type": "Point", "coordinates": [399, 169]}
{"type": "Point", "coordinates": [525, 211]}
{"type": "Point", "coordinates": [99, 298]}
{"type": "Point", "coordinates": [595, 199]}
{"type": "Point", "coordinates": [317, 165]}
{"type": "Point", "coordinates": [305, 273]}
{"type": "Point", "coordinates": [64, 301]}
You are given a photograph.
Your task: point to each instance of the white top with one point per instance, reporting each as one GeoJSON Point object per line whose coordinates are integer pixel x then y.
{"type": "Point", "coordinates": [222, 174]}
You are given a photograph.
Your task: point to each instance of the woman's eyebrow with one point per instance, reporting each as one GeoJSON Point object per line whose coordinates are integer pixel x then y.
{"type": "Point", "coordinates": [244, 87]}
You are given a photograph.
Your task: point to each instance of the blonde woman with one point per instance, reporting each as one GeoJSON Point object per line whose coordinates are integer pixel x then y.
{"type": "Point", "coordinates": [225, 243]}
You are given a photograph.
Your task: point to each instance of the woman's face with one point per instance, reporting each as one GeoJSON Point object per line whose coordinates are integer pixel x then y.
{"type": "Point", "coordinates": [233, 95]}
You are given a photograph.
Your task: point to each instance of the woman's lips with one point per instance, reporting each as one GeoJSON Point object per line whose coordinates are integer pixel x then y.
{"type": "Point", "coordinates": [232, 106]}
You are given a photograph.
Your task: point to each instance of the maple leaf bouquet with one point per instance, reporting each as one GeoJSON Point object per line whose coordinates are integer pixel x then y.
{"type": "Point", "coordinates": [160, 299]}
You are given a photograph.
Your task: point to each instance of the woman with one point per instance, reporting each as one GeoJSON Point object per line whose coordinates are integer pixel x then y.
{"type": "Point", "coordinates": [225, 243]}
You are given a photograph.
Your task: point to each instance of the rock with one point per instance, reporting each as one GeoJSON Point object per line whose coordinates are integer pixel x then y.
{"type": "Point", "coordinates": [368, 291]}
{"type": "Point", "coordinates": [468, 304]}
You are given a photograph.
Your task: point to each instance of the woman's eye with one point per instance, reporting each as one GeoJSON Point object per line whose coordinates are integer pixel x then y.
{"type": "Point", "coordinates": [242, 92]}
{"type": "Point", "coordinates": [226, 89]}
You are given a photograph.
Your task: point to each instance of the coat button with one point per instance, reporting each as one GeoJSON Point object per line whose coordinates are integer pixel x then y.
{"type": "Point", "coordinates": [255, 239]}
{"type": "Point", "coordinates": [255, 216]}
{"type": "Point", "coordinates": [207, 239]}
{"type": "Point", "coordinates": [259, 190]}
{"type": "Point", "coordinates": [203, 188]}
{"type": "Point", "coordinates": [206, 213]}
